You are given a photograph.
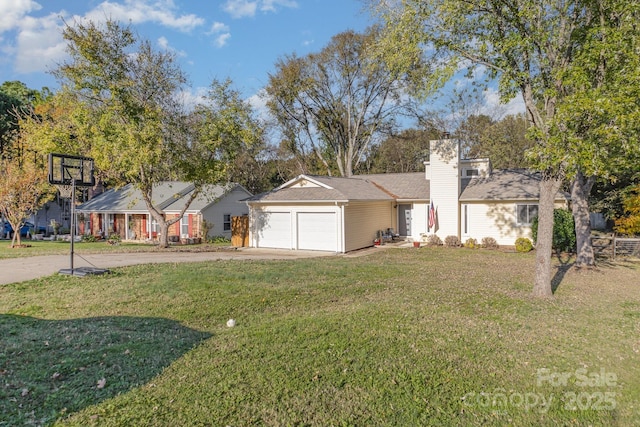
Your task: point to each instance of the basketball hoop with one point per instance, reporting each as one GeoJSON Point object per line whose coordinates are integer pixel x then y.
{"type": "Point", "coordinates": [66, 191]}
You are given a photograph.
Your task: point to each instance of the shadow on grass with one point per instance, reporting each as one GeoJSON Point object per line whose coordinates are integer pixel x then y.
{"type": "Point", "coordinates": [51, 368]}
{"type": "Point", "coordinates": [565, 263]}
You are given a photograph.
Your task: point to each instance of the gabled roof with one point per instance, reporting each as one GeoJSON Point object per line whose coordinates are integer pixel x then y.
{"type": "Point", "coordinates": [310, 188]}
{"type": "Point", "coordinates": [168, 195]}
{"type": "Point", "coordinates": [505, 184]}
{"type": "Point", "coordinates": [401, 186]}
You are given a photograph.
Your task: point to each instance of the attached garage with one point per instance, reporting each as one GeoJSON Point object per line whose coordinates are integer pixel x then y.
{"type": "Point", "coordinates": [311, 213]}
{"type": "Point", "coordinates": [317, 231]}
{"type": "Point", "coordinates": [276, 232]}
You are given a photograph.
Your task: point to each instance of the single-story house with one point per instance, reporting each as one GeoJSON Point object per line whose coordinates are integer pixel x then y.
{"type": "Point", "coordinates": [124, 212]}
{"type": "Point", "coordinates": [454, 196]}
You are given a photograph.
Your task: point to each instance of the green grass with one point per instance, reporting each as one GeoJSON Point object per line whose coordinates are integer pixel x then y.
{"type": "Point", "coordinates": [46, 247]}
{"type": "Point", "coordinates": [400, 337]}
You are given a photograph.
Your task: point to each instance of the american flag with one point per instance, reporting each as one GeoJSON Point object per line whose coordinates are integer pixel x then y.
{"type": "Point", "coordinates": [432, 216]}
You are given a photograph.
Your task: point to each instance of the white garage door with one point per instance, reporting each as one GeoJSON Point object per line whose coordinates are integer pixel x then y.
{"type": "Point", "coordinates": [276, 231]}
{"type": "Point", "coordinates": [317, 231]}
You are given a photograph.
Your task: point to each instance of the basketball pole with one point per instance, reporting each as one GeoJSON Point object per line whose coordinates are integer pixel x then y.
{"type": "Point", "coordinates": [73, 221]}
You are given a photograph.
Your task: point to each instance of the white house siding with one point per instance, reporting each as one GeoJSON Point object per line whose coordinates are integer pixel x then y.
{"type": "Point", "coordinates": [229, 204]}
{"type": "Point", "coordinates": [305, 227]}
{"type": "Point", "coordinates": [445, 186]}
{"type": "Point", "coordinates": [362, 222]}
{"type": "Point", "coordinates": [419, 220]}
{"type": "Point", "coordinates": [494, 219]}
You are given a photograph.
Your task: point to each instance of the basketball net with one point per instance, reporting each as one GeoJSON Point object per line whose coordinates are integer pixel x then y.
{"type": "Point", "coordinates": [66, 191]}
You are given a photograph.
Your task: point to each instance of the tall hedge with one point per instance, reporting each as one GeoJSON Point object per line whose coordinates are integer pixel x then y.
{"type": "Point", "coordinates": [564, 231]}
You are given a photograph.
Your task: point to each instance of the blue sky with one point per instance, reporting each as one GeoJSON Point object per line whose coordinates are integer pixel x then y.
{"type": "Point", "coordinates": [241, 39]}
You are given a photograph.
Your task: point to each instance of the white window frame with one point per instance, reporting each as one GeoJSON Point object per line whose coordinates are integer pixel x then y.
{"type": "Point", "coordinates": [184, 225]}
{"type": "Point", "coordinates": [529, 208]}
{"type": "Point", "coordinates": [471, 172]}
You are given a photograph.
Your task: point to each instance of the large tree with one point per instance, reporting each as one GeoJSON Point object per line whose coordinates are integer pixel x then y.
{"type": "Point", "coordinates": [527, 45]}
{"type": "Point", "coordinates": [16, 101]}
{"type": "Point", "coordinates": [134, 126]}
{"type": "Point", "coordinates": [599, 120]}
{"type": "Point", "coordinates": [405, 152]}
{"type": "Point", "coordinates": [503, 141]}
{"type": "Point", "coordinates": [334, 103]}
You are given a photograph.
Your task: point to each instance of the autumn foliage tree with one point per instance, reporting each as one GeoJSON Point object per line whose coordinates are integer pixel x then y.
{"type": "Point", "coordinates": [630, 223]}
{"type": "Point", "coordinates": [23, 190]}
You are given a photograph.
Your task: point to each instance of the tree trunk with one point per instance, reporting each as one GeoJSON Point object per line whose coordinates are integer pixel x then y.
{"type": "Point", "coordinates": [549, 187]}
{"type": "Point", "coordinates": [580, 189]}
{"type": "Point", "coordinates": [163, 236]}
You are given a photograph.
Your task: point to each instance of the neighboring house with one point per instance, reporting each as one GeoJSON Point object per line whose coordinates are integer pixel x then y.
{"type": "Point", "coordinates": [124, 212]}
{"type": "Point", "coordinates": [469, 200]}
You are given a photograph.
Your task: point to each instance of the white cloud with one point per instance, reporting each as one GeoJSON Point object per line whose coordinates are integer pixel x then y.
{"type": "Point", "coordinates": [13, 11]}
{"type": "Point", "coordinates": [222, 39]}
{"type": "Point", "coordinates": [162, 12]}
{"type": "Point", "coordinates": [38, 43]}
{"type": "Point", "coordinates": [270, 5]}
{"type": "Point", "coordinates": [240, 8]}
{"type": "Point", "coordinates": [222, 33]}
{"type": "Point", "coordinates": [493, 106]}
{"type": "Point", "coordinates": [190, 99]}
{"type": "Point", "coordinates": [218, 27]}
{"type": "Point", "coordinates": [248, 8]}
{"type": "Point", "coordinates": [163, 43]}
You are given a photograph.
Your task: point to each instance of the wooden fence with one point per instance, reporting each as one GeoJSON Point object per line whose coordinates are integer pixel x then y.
{"type": "Point", "coordinates": [614, 246]}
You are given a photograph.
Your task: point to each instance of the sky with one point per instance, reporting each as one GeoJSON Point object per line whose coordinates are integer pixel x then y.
{"type": "Point", "coordinates": [240, 39]}
{"type": "Point", "coordinates": [213, 39]}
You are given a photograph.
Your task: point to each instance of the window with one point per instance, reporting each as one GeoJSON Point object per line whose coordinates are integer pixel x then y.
{"type": "Point", "coordinates": [226, 223]}
{"type": "Point", "coordinates": [184, 226]}
{"type": "Point", "coordinates": [465, 209]}
{"type": "Point", "coordinates": [525, 214]}
{"type": "Point", "coordinates": [471, 172]}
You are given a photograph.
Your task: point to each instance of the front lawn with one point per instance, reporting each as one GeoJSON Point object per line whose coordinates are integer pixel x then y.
{"type": "Point", "coordinates": [46, 247]}
{"type": "Point", "coordinates": [401, 337]}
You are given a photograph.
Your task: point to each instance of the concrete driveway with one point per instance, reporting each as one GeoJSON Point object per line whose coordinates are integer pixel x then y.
{"type": "Point", "coordinates": [28, 268]}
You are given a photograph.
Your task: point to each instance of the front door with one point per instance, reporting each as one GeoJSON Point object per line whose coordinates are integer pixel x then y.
{"type": "Point", "coordinates": [404, 220]}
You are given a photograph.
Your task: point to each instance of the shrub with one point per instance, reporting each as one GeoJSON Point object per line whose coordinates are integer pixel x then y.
{"type": "Point", "coordinates": [523, 244]}
{"type": "Point", "coordinates": [471, 243]}
{"type": "Point", "coordinates": [490, 243]}
{"type": "Point", "coordinates": [114, 239]}
{"type": "Point", "coordinates": [564, 231]}
{"type": "Point", "coordinates": [433, 240]}
{"type": "Point", "coordinates": [218, 240]}
{"type": "Point", "coordinates": [89, 238]}
{"type": "Point", "coordinates": [452, 241]}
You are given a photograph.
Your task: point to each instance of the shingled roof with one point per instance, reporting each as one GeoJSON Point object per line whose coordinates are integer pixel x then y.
{"type": "Point", "coordinates": [401, 186]}
{"type": "Point", "coordinates": [504, 184]}
{"type": "Point", "coordinates": [168, 195]}
{"type": "Point", "coordinates": [329, 189]}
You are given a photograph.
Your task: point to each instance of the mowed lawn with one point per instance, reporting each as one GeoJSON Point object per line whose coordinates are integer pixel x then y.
{"type": "Point", "coordinates": [400, 337]}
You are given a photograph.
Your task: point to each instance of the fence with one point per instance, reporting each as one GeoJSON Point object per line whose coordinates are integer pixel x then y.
{"type": "Point", "coordinates": [616, 246]}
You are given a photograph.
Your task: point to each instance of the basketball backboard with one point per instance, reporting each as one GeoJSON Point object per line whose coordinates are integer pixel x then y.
{"type": "Point", "coordinates": [65, 170]}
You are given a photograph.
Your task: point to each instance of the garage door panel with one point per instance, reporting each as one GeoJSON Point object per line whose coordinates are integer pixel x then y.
{"type": "Point", "coordinates": [317, 231]}
{"type": "Point", "coordinates": [276, 231]}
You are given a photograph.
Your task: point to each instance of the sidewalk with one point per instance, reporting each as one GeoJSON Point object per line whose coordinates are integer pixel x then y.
{"type": "Point", "coordinates": [20, 269]}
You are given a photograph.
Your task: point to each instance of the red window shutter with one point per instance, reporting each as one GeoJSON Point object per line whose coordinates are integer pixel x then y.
{"type": "Point", "coordinates": [190, 225]}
